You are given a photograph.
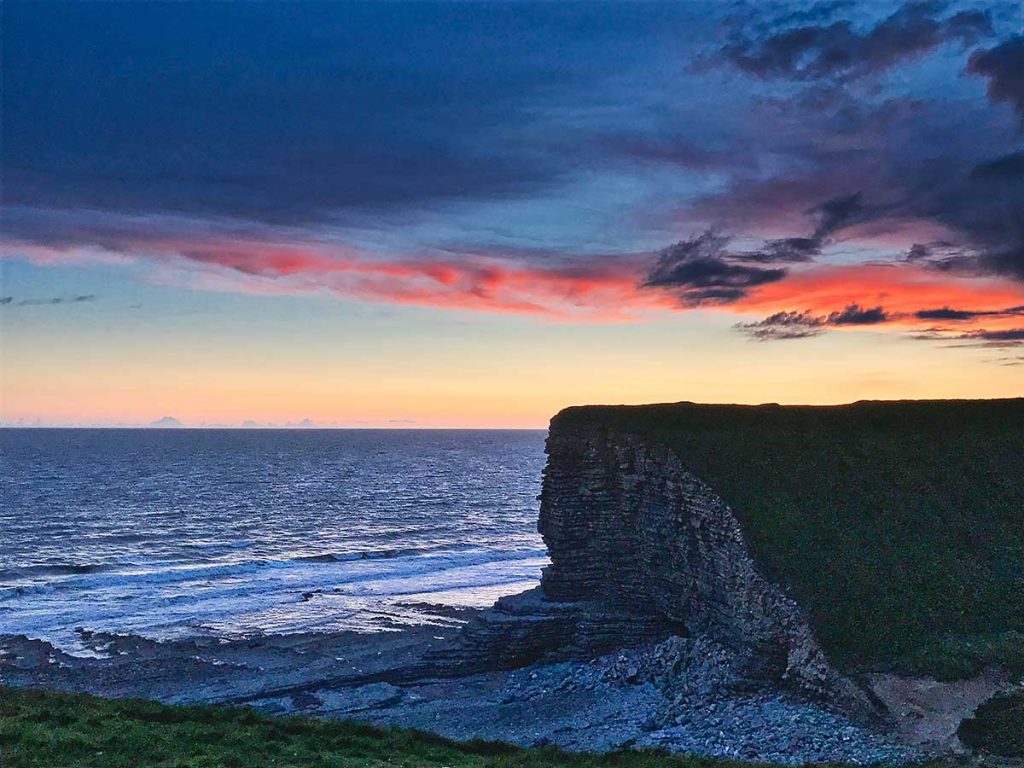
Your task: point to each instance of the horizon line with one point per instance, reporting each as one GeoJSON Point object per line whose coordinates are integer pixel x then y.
{"type": "Point", "coordinates": [226, 427]}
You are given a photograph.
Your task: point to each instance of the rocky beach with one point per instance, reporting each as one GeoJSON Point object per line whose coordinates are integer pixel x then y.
{"type": "Point", "coordinates": [675, 695]}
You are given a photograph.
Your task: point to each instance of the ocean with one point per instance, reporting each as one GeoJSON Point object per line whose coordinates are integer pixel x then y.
{"type": "Point", "coordinates": [173, 533]}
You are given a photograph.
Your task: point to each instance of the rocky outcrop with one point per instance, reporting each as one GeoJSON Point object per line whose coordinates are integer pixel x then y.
{"type": "Point", "coordinates": [641, 550]}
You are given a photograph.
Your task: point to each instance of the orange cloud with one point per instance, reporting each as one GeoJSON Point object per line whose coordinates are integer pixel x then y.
{"type": "Point", "coordinates": [901, 289]}
{"type": "Point", "coordinates": [597, 289]}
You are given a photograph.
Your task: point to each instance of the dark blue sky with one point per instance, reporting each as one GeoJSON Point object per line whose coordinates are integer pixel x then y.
{"type": "Point", "coordinates": [294, 112]}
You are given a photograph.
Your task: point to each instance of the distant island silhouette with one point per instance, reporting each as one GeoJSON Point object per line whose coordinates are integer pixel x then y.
{"type": "Point", "coordinates": [167, 422]}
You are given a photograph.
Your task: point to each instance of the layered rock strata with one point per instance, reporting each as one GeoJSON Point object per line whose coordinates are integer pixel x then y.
{"type": "Point", "coordinates": [641, 550]}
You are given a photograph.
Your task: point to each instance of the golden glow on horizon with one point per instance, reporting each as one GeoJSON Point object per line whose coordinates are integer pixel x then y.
{"type": "Point", "coordinates": [480, 382]}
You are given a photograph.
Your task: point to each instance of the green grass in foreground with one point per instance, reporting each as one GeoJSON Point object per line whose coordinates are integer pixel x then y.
{"type": "Point", "coordinates": [56, 730]}
{"type": "Point", "coordinates": [898, 526]}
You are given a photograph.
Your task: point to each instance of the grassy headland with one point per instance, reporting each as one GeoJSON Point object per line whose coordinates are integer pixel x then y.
{"type": "Point", "coordinates": [58, 730]}
{"type": "Point", "coordinates": [898, 526]}
{"type": "Point", "coordinates": [997, 727]}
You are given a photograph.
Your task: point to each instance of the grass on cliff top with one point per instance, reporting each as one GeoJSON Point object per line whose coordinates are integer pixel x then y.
{"type": "Point", "coordinates": [898, 526]}
{"type": "Point", "coordinates": [997, 728]}
{"type": "Point", "coordinates": [57, 730]}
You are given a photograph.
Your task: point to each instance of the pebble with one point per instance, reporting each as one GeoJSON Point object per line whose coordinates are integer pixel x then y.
{"type": "Point", "coordinates": [704, 711]}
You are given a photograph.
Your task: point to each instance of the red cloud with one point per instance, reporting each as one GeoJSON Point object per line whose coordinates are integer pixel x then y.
{"type": "Point", "coordinates": [596, 289]}
{"type": "Point", "coordinates": [902, 290]}
{"type": "Point", "coordinates": [601, 290]}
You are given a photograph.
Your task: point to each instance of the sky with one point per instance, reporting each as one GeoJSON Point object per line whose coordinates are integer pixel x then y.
{"type": "Point", "coordinates": [460, 214]}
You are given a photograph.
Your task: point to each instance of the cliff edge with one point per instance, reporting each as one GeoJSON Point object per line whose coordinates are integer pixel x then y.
{"type": "Point", "coordinates": [868, 557]}
{"type": "Point", "coordinates": [895, 530]}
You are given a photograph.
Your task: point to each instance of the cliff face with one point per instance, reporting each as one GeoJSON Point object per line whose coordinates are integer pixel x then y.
{"type": "Point", "coordinates": [641, 550]}
{"type": "Point", "coordinates": [897, 527]}
{"type": "Point", "coordinates": [802, 543]}
{"type": "Point", "coordinates": [629, 529]}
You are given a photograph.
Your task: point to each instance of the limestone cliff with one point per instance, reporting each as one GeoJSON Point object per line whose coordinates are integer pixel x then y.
{"type": "Point", "coordinates": [812, 543]}
{"type": "Point", "coordinates": [897, 527]}
{"type": "Point", "coordinates": [627, 527]}
{"type": "Point", "coordinates": [642, 550]}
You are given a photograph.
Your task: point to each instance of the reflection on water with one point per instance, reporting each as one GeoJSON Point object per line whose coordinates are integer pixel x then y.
{"type": "Point", "coordinates": [228, 531]}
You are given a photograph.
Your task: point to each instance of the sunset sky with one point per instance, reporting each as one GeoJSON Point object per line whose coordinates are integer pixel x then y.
{"type": "Point", "coordinates": [475, 214]}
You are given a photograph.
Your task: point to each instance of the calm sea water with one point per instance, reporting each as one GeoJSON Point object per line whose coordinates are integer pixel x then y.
{"type": "Point", "coordinates": [229, 532]}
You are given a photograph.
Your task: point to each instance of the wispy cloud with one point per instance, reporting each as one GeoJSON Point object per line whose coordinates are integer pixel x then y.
{"type": "Point", "coordinates": [982, 337]}
{"type": "Point", "coordinates": [790, 325]}
{"type": "Point", "coordinates": [796, 48]}
{"type": "Point", "coordinates": [801, 325]}
{"type": "Point", "coordinates": [10, 301]}
{"type": "Point", "coordinates": [600, 287]}
{"type": "Point", "coordinates": [702, 271]}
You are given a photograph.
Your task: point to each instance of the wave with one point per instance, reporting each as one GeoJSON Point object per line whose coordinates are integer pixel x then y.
{"type": "Point", "coordinates": [56, 569]}
{"type": "Point", "coordinates": [301, 593]}
{"type": "Point", "coordinates": [378, 573]}
{"type": "Point", "coordinates": [233, 529]}
{"type": "Point", "coordinates": [342, 557]}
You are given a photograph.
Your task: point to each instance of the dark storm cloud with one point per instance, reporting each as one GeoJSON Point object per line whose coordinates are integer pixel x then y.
{"type": "Point", "coordinates": [946, 313]}
{"type": "Point", "coordinates": [703, 271]}
{"type": "Point", "coordinates": [983, 205]}
{"type": "Point", "coordinates": [886, 168]}
{"type": "Point", "coordinates": [914, 161]}
{"type": "Point", "coordinates": [837, 213]}
{"type": "Point", "coordinates": [1009, 263]}
{"type": "Point", "coordinates": [833, 215]}
{"type": "Point", "coordinates": [1003, 66]}
{"type": "Point", "coordinates": [792, 250]}
{"type": "Point", "coordinates": [841, 49]}
{"type": "Point", "coordinates": [857, 315]}
{"type": "Point", "coordinates": [820, 49]}
{"type": "Point", "coordinates": [1008, 168]}
{"type": "Point", "coordinates": [980, 261]}
{"type": "Point", "coordinates": [826, 145]}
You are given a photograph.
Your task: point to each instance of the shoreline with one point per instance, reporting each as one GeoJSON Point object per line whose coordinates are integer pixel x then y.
{"type": "Point", "coordinates": [611, 702]}
{"type": "Point", "coordinates": [208, 669]}
{"type": "Point", "coordinates": [54, 730]}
